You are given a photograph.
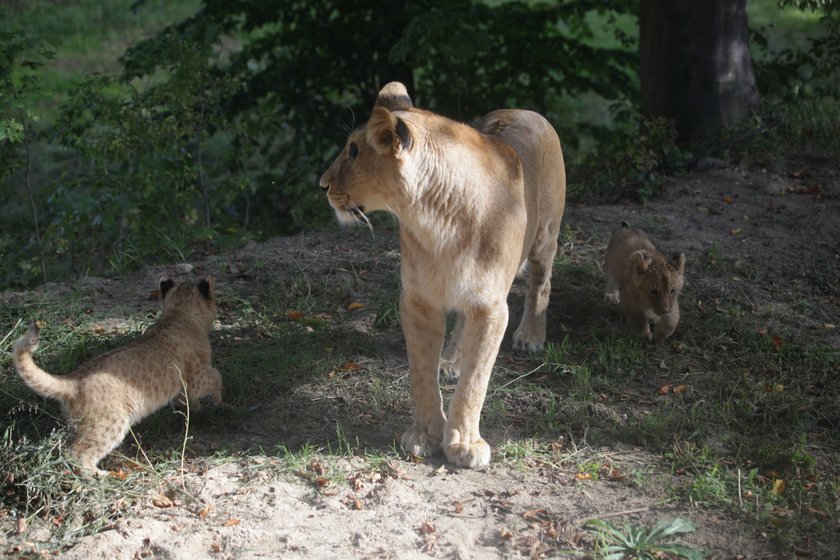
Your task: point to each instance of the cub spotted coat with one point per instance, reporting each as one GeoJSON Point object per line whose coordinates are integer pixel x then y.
{"type": "Point", "coordinates": [644, 281]}
{"type": "Point", "coordinates": [473, 205]}
{"type": "Point", "coordinates": [104, 396]}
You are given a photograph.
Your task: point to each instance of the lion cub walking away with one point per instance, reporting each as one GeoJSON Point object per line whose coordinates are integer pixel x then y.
{"type": "Point", "coordinates": [106, 395]}
{"type": "Point", "coordinates": [645, 281]}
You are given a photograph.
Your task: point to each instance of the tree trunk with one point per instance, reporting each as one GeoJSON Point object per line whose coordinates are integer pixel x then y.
{"type": "Point", "coordinates": [696, 67]}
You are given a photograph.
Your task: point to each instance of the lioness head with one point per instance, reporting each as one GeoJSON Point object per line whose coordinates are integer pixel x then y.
{"type": "Point", "coordinates": [366, 174]}
{"type": "Point", "coordinates": [659, 279]}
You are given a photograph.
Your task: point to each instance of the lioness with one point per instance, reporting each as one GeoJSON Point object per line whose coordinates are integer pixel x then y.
{"type": "Point", "coordinates": [644, 281]}
{"type": "Point", "coordinates": [473, 205]}
{"type": "Point", "coordinates": [104, 396]}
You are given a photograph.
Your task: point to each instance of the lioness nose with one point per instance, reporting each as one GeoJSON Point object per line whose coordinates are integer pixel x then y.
{"type": "Point", "coordinates": [325, 186]}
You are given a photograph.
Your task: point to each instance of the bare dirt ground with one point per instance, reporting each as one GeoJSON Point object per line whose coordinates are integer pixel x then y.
{"type": "Point", "coordinates": [780, 233]}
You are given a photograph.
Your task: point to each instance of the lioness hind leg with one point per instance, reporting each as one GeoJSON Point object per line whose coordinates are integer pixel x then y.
{"type": "Point", "coordinates": [450, 360]}
{"type": "Point", "coordinates": [530, 335]}
{"type": "Point", "coordinates": [483, 332]}
{"type": "Point", "coordinates": [423, 325]}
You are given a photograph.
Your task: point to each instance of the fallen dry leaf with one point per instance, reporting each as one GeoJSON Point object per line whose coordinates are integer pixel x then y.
{"type": "Point", "coordinates": [778, 486]}
{"type": "Point", "coordinates": [21, 525]}
{"type": "Point", "coordinates": [216, 547]}
{"type": "Point", "coordinates": [292, 315]}
{"type": "Point", "coordinates": [727, 199]}
{"type": "Point", "coordinates": [665, 389]}
{"type": "Point", "coordinates": [231, 522]}
{"type": "Point", "coordinates": [735, 231]}
{"type": "Point", "coordinates": [505, 533]}
{"type": "Point", "coordinates": [354, 306]}
{"type": "Point", "coordinates": [427, 528]}
{"type": "Point", "coordinates": [679, 389]}
{"type": "Point", "coordinates": [322, 482]}
{"type": "Point", "coordinates": [118, 474]}
{"type": "Point", "coordinates": [583, 476]}
{"type": "Point", "coordinates": [162, 501]}
{"type": "Point", "coordinates": [357, 504]}
{"type": "Point", "coordinates": [205, 512]}
{"type": "Point", "coordinates": [777, 341]}
{"type": "Point", "coordinates": [349, 366]}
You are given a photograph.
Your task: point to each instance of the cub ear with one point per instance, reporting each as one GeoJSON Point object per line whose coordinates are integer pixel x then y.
{"type": "Point", "coordinates": [678, 262]}
{"type": "Point", "coordinates": [394, 97]}
{"type": "Point", "coordinates": [642, 261]}
{"type": "Point", "coordinates": [164, 286]}
{"type": "Point", "coordinates": [387, 133]}
{"type": "Point", "coordinates": [207, 287]}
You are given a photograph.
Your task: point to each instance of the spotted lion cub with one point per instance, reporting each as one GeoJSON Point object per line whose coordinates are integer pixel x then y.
{"type": "Point", "coordinates": [104, 396]}
{"type": "Point", "coordinates": [645, 281]}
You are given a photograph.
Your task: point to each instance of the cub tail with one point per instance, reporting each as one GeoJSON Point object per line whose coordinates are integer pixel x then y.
{"type": "Point", "coordinates": [43, 383]}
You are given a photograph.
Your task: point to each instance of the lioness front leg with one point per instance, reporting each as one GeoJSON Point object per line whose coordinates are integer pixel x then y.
{"type": "Point", "coordinates": [483, 332]}
{"type": "Point", "coordinates": [423, 325]}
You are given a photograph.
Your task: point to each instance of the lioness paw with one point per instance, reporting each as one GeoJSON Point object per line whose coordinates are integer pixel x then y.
{"type": "Point", "coordinates": [528, 341]}
{"type": "Point", "coordinates": [468, 455]}
{"type": "Point", "coordinates": [450, 369]}
{"type": "Point", "coordinates": [416, 441]}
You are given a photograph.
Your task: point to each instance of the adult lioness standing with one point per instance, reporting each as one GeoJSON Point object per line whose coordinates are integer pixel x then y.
{"type": "Point", "coordinates": [473, 204]}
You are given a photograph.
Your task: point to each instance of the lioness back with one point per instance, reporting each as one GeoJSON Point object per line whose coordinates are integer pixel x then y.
{"type": "Point", "coordinates": [536, 143]}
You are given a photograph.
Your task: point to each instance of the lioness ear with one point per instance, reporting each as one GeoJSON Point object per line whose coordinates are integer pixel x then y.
{"type": "Point", "coordinates": [642, 261]}
{"type": "Point", "coordinates": [387, 133]}
{"type": "Point", "coordinates": [678, 262]}
{"type": "Point", "coordinates": [164, 286]}
{"type": "Point", "coordinates": [207, 287]}
{"type": "Point", "coordinates": [394, 97]}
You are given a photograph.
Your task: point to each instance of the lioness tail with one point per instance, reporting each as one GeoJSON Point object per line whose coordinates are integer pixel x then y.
{"type": "Point", "coordinates": [43, 383]}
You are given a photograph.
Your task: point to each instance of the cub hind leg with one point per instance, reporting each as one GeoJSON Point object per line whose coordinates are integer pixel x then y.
{"type": "Point", "coordinates": [94, 436]}
{"type": "Point", "coordinates": [205, 389]}
{"type": "Point", "coordinates": [530, 335]}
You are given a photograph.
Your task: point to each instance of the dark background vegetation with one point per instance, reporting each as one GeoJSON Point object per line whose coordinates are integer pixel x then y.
{"type": "Point", "coordinates": [138, 132]}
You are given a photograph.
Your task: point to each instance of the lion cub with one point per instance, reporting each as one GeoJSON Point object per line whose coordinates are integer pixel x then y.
{"type": "Point", "coordinates": [106, 395]}
{"type": "Point", "coordinates": [645, 281]}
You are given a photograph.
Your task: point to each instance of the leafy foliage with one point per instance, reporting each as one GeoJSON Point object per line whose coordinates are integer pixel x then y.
{"type": "Point", "coordinates": [641, 542]}
{"type": "Point", "coordinates": [217, 127]}
{"type": "Point", "coordinates": [20, 57]}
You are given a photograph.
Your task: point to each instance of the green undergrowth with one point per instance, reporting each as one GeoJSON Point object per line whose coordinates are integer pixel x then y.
{"type": "Point", "coordinates": [730, 414]}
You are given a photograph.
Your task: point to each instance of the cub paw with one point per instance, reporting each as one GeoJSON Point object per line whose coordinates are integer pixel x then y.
{"type": "Point", "coordinates": [468, 455]}
{"type": "Point", "coordinates": [526, 341]}
{"type": "Point", "coordinates": [417, 441]}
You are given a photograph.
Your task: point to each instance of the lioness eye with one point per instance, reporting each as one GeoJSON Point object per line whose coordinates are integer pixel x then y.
{"type": "Point", "coordinates": [654, 291]}
{"type": "Point", "coordinates": [352, 151]}
{"type": "Point", "coordinates": [673, 292]}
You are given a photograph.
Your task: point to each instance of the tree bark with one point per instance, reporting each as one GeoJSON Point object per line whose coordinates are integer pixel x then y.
{"type": "Point", "coordinates": [695, 64]}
